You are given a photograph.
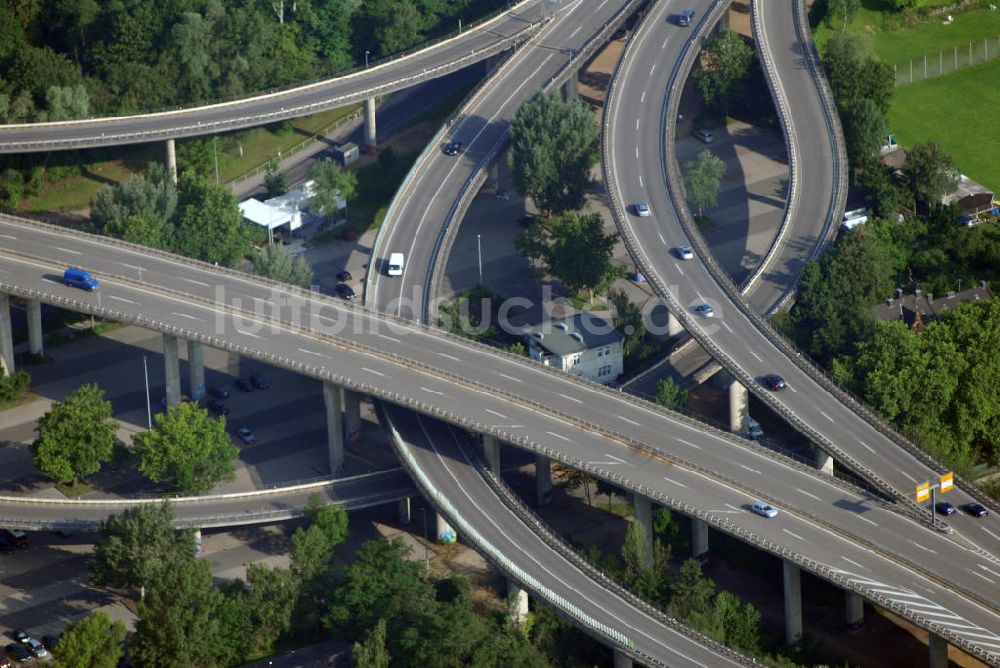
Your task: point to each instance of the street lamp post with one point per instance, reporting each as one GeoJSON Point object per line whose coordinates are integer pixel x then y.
{"type": "Point", "coordinates": [149, 407]}
{"type": "Point", "coordinates": [366, 58]}
{"type": "Point", "coordinates": [479, 247]}
{"type": "Point", "coordinates": [427, 560]}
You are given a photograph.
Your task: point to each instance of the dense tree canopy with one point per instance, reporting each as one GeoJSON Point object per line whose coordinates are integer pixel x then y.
{"type": "Point", "coordinates": [930, 172]}
{"type": "Point", "coordinates": [726, 62]}
{"type": "Point", "coordinates": [702, 179]}
{"type": "Point", "coordinates": [76, 436]}
{"type": "Point", "coordinates": [92, 642]}
{"type": "Point", "coordinates": [276, 261]}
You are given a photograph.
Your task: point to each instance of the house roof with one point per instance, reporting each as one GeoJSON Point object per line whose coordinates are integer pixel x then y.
{"type": "Point", "coordinates": [574, 334]}
{"type": "Point", "coordinates": [924, 307]}
{"type": "Point", "coordinates": [264, 214]}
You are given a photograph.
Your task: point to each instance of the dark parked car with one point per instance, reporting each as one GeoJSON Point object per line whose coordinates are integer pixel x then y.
{"type": "Point", "coordinates": [218, 406]}
{"type": "Point", "coordinates": [453, 148]}
{"type": "Point", "coordinates": [243, 385]}
{"type": "Point", "coordinates": [15, 537]}
{"type": "Point", "coordinates": [5, 662]}
{"type": "Point", "coordinates": [684, 18]}
{"type": "Point", "coordinates": [975, 509]}
{"type": "Point", "coordinates": [344, 276]}
{"type": "Point", "coordinates": [17, 652]}
{"type": "Point", "coordinates": [259, 381]}
{"type": "Point", "coordinates": [944, 508]}
{"type": "Point", "coordinates": [219, 392]}
{"type": "Point", "coordinates": [775, 382]}
{"type": "Point", "coordinates": [344, 291]}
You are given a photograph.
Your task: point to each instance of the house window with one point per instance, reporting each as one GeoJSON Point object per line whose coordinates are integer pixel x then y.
{"type": "Point", "coordinates": [600, 353]}
{"type": "Point", "coordinates": [604, 371]}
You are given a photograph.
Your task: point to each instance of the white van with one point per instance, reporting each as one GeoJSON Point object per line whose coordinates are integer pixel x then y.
{"type": "Point", "coordinates": [395, 264]}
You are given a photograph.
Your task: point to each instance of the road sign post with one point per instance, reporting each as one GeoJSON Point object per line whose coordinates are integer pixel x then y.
{"type": "Point", "coordinates": [926, 490]}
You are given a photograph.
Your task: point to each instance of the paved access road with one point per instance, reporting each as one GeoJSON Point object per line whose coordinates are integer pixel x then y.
{"type": "Point", "coordinates": [430, 200]}
{"type": "Point", "coordinates": [680, 462]}
{"type": "Point", "coordinates": [473, 45]}
{"type": "Point", "coordinates": [637, 172]}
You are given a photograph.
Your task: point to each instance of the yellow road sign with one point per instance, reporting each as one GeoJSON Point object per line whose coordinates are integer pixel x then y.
{"type": "Point", "coordinates": [923, 492]}
{"type": "Point", "coordinates": [947, 481]}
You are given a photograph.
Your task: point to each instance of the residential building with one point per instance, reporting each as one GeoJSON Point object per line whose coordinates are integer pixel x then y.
{"type": "Point", "coordinates": [920, 308]}
{"type": "Point", "coordinates": [583, 344]}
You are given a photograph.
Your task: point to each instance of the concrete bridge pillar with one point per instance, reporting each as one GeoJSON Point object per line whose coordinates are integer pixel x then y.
{"type": "Point", "coordinates": [196, 370]}
{"type": "Point", "coordinates": [444, 532]}
{"type": "Point", "coordinates": [793, 601]}
{"type": "Point", "coordinates": [937, 651]}
{"type": "Point", "coordinates": [723, 23]}
{"type": "Point", "coordinates": [334, 428]}
{"type": "Point", "coordinates": [643, 509]}
{"type": "Point", "coordinates": [739, 407]}
{"type": "Point", "coordinates": [674, 326]}
{"type": "Point", "coordinates": [699, 539]}
{"type": "Point", "coordinates": [352, 412]}
{"type": "Point", "coordinates": [172, 159]}
{"type": "Point", "coordinates": [34, 312]}
{"type": "Point", "coordinates": [491, 452]}
{"type": "Point", "coordinates": [543, 480]}
{"type": "Point", "coordinates": [405, 511]}
{"type": "Point", "coordinates": [824, 461]}
{"type": "Point", "coordinates": [370, 143]}
{"type": "Point", "coordinates": [854, 609]}
{"type": "Point", "coordinates": [622, 660]}
{"type": "Point", "coordinates": [571, 89]}
{"type": "Point", "coordinates": [518, 602]}
{"type": "Point", "coordinates": [6, 335]}
{"type": "Point", "coordinates": [171, 370]}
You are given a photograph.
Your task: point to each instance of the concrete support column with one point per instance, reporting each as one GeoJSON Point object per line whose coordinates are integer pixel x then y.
{"type": "Point", "coordinates": [622, 660]}
{"type": "Point", "coordinates": [518, 602]}
{"type": "Point", "coordinates": [793, 601]}
{"type": "Point", "coordinates": [352, 412]}
{"type": "Point", "coordinates": [643, 509]}
{"type": "Point", "coordinates": [171, 370]}
{"type": "Point", "coordinates": [405, 511]}
{"type": "Point", "coordinates": [370, 143]}
{"type": "Point", "coordinates": [699, 539]}
{"type": "Point", "coordinates": [543, 480]}
{"type": "Point", "coordinates": [6, 335]}
{"type": "Point", "coordinates": [571, 89]}
{"type": "Point", "coordinates": [35, 327]}
{"type": "Point", "coordinates": [197, 541]}
{"type": "Point", "coordinates": [172, 159]}
{"type": "Point", "coordinates": [196, 370]}
{"type": "Point", "coordinates": [724, 20]}
{"type": "Point", "coordinates": [854, 609]}
{"type": "Point", "coordinates": [824, 461]}
{"type": "Point", "coordinates": [444, 532]}
{"type": "Point", "coordinates": [674, 326]}
{"type": "Point", "coordinates": [937, 651]}
{"type": "Point", "coordinates": [491, 452]}
{"type": "Point", "coordinates": [334, 428]}
{"type": "Point", "coordinates": [739, 406]}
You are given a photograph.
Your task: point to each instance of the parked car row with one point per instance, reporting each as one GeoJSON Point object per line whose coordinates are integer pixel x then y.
{"type": "Point", "coordinates": [219, 394]}
{"type": "Point", "coordinates": [25, 647]}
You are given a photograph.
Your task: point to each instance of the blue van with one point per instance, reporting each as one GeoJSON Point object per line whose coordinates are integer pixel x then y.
{"type": "Point", "coordinates": [78, 278]}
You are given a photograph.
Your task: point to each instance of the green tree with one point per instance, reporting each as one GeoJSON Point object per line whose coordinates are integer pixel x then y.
{"type": "Point", "coordinates": [691, 592]}
{"type": "Point", "coordinates": [177, 622]}
{"type": "Point", "coordinates": [553, 146]}
{"type": "Point", "coordinates": [864, 131]}
{"type": "Point", "coordinates": [841, 12]}
{"type": "Point", "coordinates": [574, 249]}
{"type": "Point", "coordinates": [702, 179]}
{"type": "Point", "coordinates": [331, 184]}
{"type": "Point", "coordinates": [855, 76]}
{"type": "Point", "coordinates": [330, 519]}
{"type": "Point", "coordinates": [13, 387]}
{"type": "Point", "coordinates": [137, 545]}
{"type": "Point", "coordinates": [273, 593]}
{"type": "Point", "coordinates": [627, 319]}
{"type": "Point", "coordinates": [233, 642]}
{"type": "Point", "coordinates": [726, 61]}
{"type": "Point", "coordinates": [144, 228]}
{"type": "Point", "coordinates": [645, 578]}
{"type": "Point", "coordinates": [209, 223]}
{"type": "Point", "coordinates": [931, 173]}
{"type": "Point", "coordinates": [372, 653]}
{"type": "Point", "coordinates": [152, 196]}
{"type": "Point", "coordinates": [76, 436]}
{"type": "Point", "coordinates": [737, 625]}
{"type": "Point", "coordinates": [670, 395]}
{"type": "Point", "coordinates": [92, 642]}
{"type": "Point", "coordinates": [188, 448]}
{"type": "Point", "coordinates": [883, 193]}
{"type": "Point", "coordinates": [276, 261]}
{"type": "Point", "coordinates": [65, 103]}
{"type": "Point", "coordinates": [275, 181]}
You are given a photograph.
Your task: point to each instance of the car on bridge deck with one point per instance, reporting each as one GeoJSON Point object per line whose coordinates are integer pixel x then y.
{"type": "Point", "coordinates": [685, 252]}
{"type": "Point", "coordinates": [764, 510]}
{"type": "Point", "coordinates": [775, 382]}
{"type": "Point", "coordinates": [453, 148]}
{"type": "Point", "coordinates": [641, 209]}
{"type": "Point", "coordinates": [975, 509]}
{"type": "Point", "coordinates": [684, 18]}
{"type": "Point", "coordinates": [704, 310]}
{"type": "Point", "coordinates": [944, 508]}
{"type": "Point", "coordinates": [78, 278]}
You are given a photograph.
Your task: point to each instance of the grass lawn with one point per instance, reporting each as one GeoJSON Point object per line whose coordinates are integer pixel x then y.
{"type": "Point", "coordinates": [376, 186]}
{"type": "Point", "coordinates": [958, 111]}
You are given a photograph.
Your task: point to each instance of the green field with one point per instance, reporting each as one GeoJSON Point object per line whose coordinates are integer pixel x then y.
{"type": "Point", "coordinates": [958, 111]}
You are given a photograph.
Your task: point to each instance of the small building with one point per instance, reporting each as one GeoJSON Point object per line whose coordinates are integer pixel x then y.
{"type": "Point", "coordinates": [969, 197]}
{"type": "Point", "coordinates": [583, 344]}
{"type": "Point", "coordinates": [347, 153]}
{"type": "Point", "coordinates": [286, 213]}
{"type": "Point", "coordinates": [920, 308]}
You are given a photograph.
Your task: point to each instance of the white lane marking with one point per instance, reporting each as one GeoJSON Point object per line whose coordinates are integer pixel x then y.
{"type": "Point", "coordinates": [552, 433]}
{"type": "Point", "coordinates": [980, 575]}
{"type": "Point", "coordinates": [10, 236]}
{"type": "Point", "coordinates": [185, 315]}
{"type": "Point", "coordinates": [908, 476]}
{"type": "Point", "coordinates": [573, 34]}
{"type": "Point", "coordinates": [664, 44]}
{"type": "Point", "coordinates": [311, 352]}
{"type": "Point", "coordinates": [499, 415]}
{"type": "Point", "coordinates": [726, 325]}
{"type": "Point", "coordinates": [201, 283]}
{"type": "Point", "coordinates": [729, 505]}
{"type": "Point", "coordinates": [795, 535]}
{"type": "Point", "coordinates": [662, 240]}
{"type": "Point", "coordinates": [688, 443]}
{"type": "Point", "coordinates": [925, 549]}
{"type": "Point", "coordinates": [121, 299]}
{"type": "Point", "coordinates": [744, 466]}
{"type": "Point", "coordinates": [826, 416]}
{"type": "Point", "coordinates": [794, 391]}
{"type": "Point", "coordinates": [679, 270]}
{"type": "Point", "coordinates": [865, 519]}
{"type": "Point", "coordinates": [640, 181]}
{"type": "Point", "coordinates": [812, 496]}
{"type": "Point", "coordinates": [427, 389]}
{"type": "Point", "coordinates": [451, 357]}
{"type": "Point", "coordinates": [996, 537]}
{"type": "Point", "coordinates": [631, 422]}
{"type": "Point", "coordinates": [851, 561]}
{"type": "Point", "coordinates": [756, 356]}
{"type": "Point", "coordinates": [132, 266]}
{"type": "Point", "coordinates": [250, 334]}
{"type": "Point", "coordinates": [68, 250]}
{"type": "Point", "coordinates": [390, 338]}
{"type": "Point", "coordinates": [617, 459]}
{"type": "Point", "coordinates": [518, 380]}
{"type": "Point", "coordinates": [637, 125]}
{"type": "Point", "coordinates": [679, 484]}
{"type": "Point", "coordinates": [636, 152]}
{"type": "Point", "coordinates": [867, 447]}
{"type": "Point", "coordinates": [988, 570]}
{"type": "Point", "coordinates": [641, 99]}
{"type": "Point", "coordinates": [566, 396]}
{"type": "Point", "coordinates": [377, 373]}
{"type": "Point", "coordinates": [651, 69]}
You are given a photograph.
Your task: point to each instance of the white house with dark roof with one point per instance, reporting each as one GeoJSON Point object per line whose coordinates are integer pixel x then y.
{"type": "Point", "coordinates": [583, 344]}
